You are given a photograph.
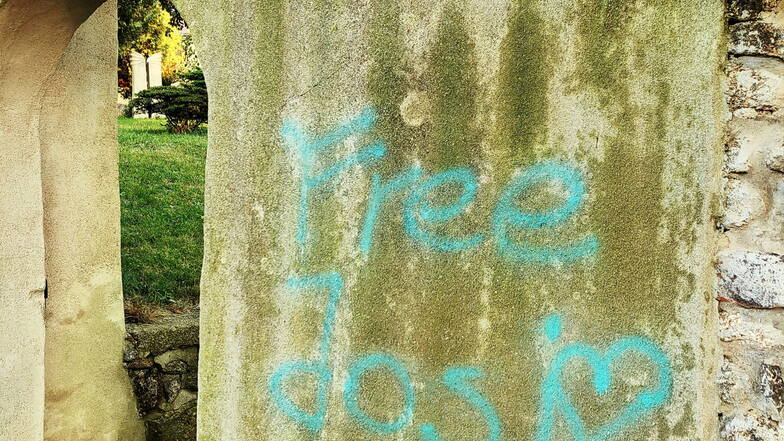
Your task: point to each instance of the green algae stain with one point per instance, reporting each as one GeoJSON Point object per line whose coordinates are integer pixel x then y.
{"type": "Point", "coordinates": [382, 277]}
{"type": "Point", "coordinates": [526, 70]}
{"type": "Point", "coordinates": [638, 276]}
{"type": "Point", "coordinates": [452, 80]}
{"type": "Point", "coordinates": [603, 27]}
{"type": "Point", "coordinates": [627, 183]}
{"type": "Point", "coordinates": [387, 85]}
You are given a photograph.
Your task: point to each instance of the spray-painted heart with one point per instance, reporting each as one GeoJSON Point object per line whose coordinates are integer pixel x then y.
{"type": "Point", "coordinates": [556, 400]}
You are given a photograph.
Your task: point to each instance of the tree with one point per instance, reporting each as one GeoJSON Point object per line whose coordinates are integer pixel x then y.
{"type": "Point", "coordinates": [149, 27]}
{"type": "Point", "coordinates": [176, 19]}
{"type": "Point", "coordinates": [184, 105]}
{"type": "Point", "coordinates": [133, 19]}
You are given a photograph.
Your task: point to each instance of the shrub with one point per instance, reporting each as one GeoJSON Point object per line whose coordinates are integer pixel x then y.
{"type": "Point", "coordinates": [183, 104]}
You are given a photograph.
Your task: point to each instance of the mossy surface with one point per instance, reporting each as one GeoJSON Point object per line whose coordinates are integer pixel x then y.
{"type": "Point", "coordinates": [620, 67]}
{"type": "Point", "coordinates": [526, 69]}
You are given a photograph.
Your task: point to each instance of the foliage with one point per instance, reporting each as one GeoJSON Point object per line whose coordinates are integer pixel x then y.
{"type": "Point", "coordinates": [154, 37]}
{"type": "Point", "coordinates": [133, 19]}
{"type": "Point", "coordinates": [150, 27]}
{"type": "Point", "coordinates": [176, 19]}
{"type": "Point", "coordinates": [184, 105]}
{"type": "Point", "coordinates": [174, 57]}
{"type": "Point", "coordinates": [191, 61]}
{"type": "Point", "coordinates": [128, 111]}
{"type": "Point", "coordinates": [161, 192]}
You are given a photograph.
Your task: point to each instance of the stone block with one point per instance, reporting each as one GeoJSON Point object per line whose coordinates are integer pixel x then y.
{"type": "Point", "coordinates": [734, 383]}
{"type": "Point", "coordinates": [744, 202]}
{"type": "Point", "coordinates": [775, 159]}
{"type": "Point", "coordinates": [178, 425]}
{"type": "Point", "coordinates": [154, 67]}
{"type": "Point", "coordinates": [752, 279]}
{"type": "Point", "coordinates": [171, 332]}
{"type": "Point", "coordinates": [187, 357]}
{"type": "Point", "coordinates": [747, 10]}
{"type": "Point", "coordinates": [750, 140]}
{"type": "Point", "coordinates": [771, 385]}
{"type": "Point", "coordinates": [444, 128]}
{"type": "Point", "coordinates": [757, 38]}
{"type": "Point", "coordinates": [138, 64]}
{"type": "Point", "coordinates": [756, 83]}
{"type": "Point", "coordinates": [749, 425]}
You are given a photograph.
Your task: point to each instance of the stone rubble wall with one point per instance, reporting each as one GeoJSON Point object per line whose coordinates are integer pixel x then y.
{"type": "Point", "coordinates": [162, 362]}
{"type": "Point", "coordinates": [750, 260]}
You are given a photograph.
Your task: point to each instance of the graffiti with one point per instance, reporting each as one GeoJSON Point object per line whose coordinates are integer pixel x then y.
{"type": "Point", "coordinates": [420, 217]}
{"type": "Point", "coordinates": [378, 194]}
{"type": "Point", "coordinates": [423, 223]}
{"type": "Point", "coordinates": [457, 380]}
{"type": "Point", "coordinates": [374, 361]}
{"type": "Point", "coordinates": [306, 150]}
{"type": "Point", "coordinates": [416, 207]}
{"type": "Point", "coordinates": [555, 400]}
{"type": "Point", "coordinates": [506, 214]}
{"type": "Point", "coordinates": [333, 282]}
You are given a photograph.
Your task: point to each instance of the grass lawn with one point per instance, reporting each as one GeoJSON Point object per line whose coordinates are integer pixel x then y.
{"type": "Point", "coordinates": [162, 194]}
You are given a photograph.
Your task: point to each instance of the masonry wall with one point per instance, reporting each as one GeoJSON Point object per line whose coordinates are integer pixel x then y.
{"type": "Point", "coordinates": [750, 262]}
{"type": "Point", "coordinates": [162, 363]}
{"type": "Point", "coordinates": [459, 219]}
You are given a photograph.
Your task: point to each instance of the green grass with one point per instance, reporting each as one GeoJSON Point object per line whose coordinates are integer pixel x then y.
{"type": "Point", "coordinates": [162, 194]}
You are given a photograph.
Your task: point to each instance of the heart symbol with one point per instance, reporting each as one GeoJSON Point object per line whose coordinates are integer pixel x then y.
{"type": "Point", "coordinates": [555, 399]}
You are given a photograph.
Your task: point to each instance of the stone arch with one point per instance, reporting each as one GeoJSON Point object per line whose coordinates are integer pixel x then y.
{"type": "Point", "coordinates": [62, 319]}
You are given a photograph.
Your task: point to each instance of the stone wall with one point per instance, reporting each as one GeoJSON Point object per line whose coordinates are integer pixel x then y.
{"type": "Point", "coordinates": [750, 262]}
{"type": "Point", "coordinates": [162, 361]}
{"type": "Point", "coordinates": [451, 201]}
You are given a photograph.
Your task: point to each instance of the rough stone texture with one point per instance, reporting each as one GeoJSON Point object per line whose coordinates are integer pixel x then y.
{"type": "Point", "coordinates": [756, 83]}
{"type": "Point", "coordinates": [753, 279]}
{"type": "Point", "coordinates": [33, 37]}
{"type": "Point", "coordinates": [753, 217]}
{"type": "Point", "coordinates": [757, 38]}
{"type": "Point", "coordinates": [775, 159]}
{"type": "Point", "coordinates": [747, 138]}
{"type": "Point", "coordinates": [750, 381]}
{"type": "Point", "coordinates": [744, 203]}
{"type": "Point", "coordinates": [173, 331]}
{"type": "Point", "coordinates": [162, 362]}
{"type": "Point", "coordinates": [88, 395]}
{"type": "Point", "coordinates": [627, 92]}
{"type": "Point", "coordinates": [750, 266]}
{"type": "Point", "coordinates": [746, 10]}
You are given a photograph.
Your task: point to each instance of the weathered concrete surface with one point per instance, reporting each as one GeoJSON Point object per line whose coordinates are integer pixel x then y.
{"type": "Point", "coordinates": [33, 36]}
{"type": "Point", "coordinates": [88, 393]}
{"type": "Point", "coordinates": [624, 94]}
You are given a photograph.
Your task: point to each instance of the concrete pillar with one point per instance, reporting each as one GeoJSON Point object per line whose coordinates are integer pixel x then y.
{"type": "Point", "coordinates": [88, 393]}
{"type": "Point", "coordinates": [154, 70]}
{"type": "Point", "coordinates": [34, 35]}
{"type": "Point", "coordinates": [138, 72]}
{"type": "Point", "coordinates": [459, 220]}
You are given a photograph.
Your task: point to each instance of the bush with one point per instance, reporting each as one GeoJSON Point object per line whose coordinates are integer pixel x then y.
{"type": "Point", "coordinates": [184, 104]}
